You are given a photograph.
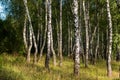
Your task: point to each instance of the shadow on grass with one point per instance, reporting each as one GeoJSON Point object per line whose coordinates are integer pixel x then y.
{"type": "Point", "coordinates": [67, 74]}
{"type": "Point", "coordinates": [9, 75]}
{"type": "Point", "coordinates": [117, 79]}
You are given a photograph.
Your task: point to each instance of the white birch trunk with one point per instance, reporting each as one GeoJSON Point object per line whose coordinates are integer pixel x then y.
{"type": "Point", "coordinates": [52, 48]}
{"type": "Point", "coordinates": [30, 46]}
{"type": "Point", "coordinates": [36, 48]}
{"type": "Point", "coordinates": [109, 69]}
{"type": "Point", "coordinates": [31, 31]}
{"type": "Point", "coordinates": [48, 35]}
{"type": "Point", "coordinates": [77, 43]}
{"type": "Point", "coordinates": [24, 34]}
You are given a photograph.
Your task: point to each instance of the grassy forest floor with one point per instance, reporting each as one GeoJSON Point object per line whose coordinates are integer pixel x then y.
{"type": "Point", "coordinates": [16, 68]}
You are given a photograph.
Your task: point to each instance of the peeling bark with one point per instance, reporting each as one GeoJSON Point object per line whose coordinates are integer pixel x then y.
{"type": "Point", "coordinates": [77, 43]}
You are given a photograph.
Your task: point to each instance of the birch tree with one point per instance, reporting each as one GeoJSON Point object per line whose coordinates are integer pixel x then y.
{"type": "Point", "coordinates": [46, 19]}
{"type": "Point", "coordinates": [60, 48]}
{"type": "Point", "coordinates": [86, 33]}
{"type": "Point", "coordinates": [52, 48]}
{"type": "Point", "coordinates": [77, 43]}
{"type": "Point", "coordinates": [109, 69]}
{"type": "Point", "coordinates": [32, 35]}
{"type": "Point", "coordinates": [25, 34]}
{"type": "Point", "coordinates": [27, 37]}
{"type": "Point", "coordinates": [48, 35]}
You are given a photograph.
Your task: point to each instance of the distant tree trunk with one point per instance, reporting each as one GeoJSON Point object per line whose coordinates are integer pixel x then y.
{"type": "Point", "coordinates": [52, 48]}
{"type": "Point", "coordinates": [95, 33]}
{"type": "Point", "coordinates": [60, 48]}
{"type": "Point", "coordinates": [77, 43]}
{"type": "Point", "coordinates": [70, 49]}
{"type": "Point", "coordinates": [97, 47]}
{"type": "Point", "coordinates": [41, 32]}
{"type": "Point", "coordinates": [109, 69]}
{"type": "Point", "coordinates": [80, 30]}
{"type": "Point", "coordinates": [36, 48]}
{"type": "Point", "coordinates": [25, 34]}
{"type": "Point", "coordinates": [91, 43]}
{"type": "Point", "coordinates": [43, 45]}
{"type": "Point", "coordinates": [38, 22]}
{"type": "Point", "coordinates": [38, 36]}
{"type": "Point", "coordinates": [44, 41]}
{"type": "Point", "coordinates": [71, 36]}
{"type": "Point", "coordinates": [68, 39]}
{"type": "Point", "coordinates": [71, 42]}
{"type": "Point", "coordinates": [48, 36]}
{"type": "Point", "coordinates": [35, 40]}
{"type": "Point", "coordinates": [86, 31]}
{"type": "Point", "coordinates": [80, 19]}
{"type": "Point", "coordinates": [30, 46]}
{"type": "Point", "coordinates": [39, 17]}
{"type": "Point", "coordinates": [58, 37]}
{"type": "Point", "coordinates": [40, 26]}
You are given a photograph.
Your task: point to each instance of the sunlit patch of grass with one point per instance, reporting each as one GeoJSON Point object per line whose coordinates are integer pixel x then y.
{"type": "Point", "coordinates": [16, 68]}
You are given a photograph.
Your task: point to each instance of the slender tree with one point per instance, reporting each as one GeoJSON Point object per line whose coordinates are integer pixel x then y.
{"type": "Point", "coordinates": [36, 48]}
{"type": "Point", "coordinates": [30, 31]}
{"type": "Point", "coordinates": [51, 45]}
{"type": "Point", "coordinates": [52, 49]}
{"type": "Point", "coordinates": [77, 43]}
{"type": "Point", "coordinates": [60, 48]}
{"type": "Point", "coordinates": [48, 35]}
{"type": "Point", "coordinates": [46, 19]}
{"type": "Point", "coordinates": [24, 34]}
{"type": "Point", "coordinates": [32, 35]}
{"type": "Point", "coordinates": [109, 69]}
{"type": "Point", "coordinates": [68, 39]}
{"type": "Point", "coordinates": [86, 33]}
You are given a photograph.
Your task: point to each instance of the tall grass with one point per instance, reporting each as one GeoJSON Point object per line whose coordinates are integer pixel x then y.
{"type": "Point", "coordinates": [16, 68]}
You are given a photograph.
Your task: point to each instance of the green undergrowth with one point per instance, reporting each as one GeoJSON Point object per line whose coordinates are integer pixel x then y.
{"type": "Point", "coordinates": [16, 68]}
